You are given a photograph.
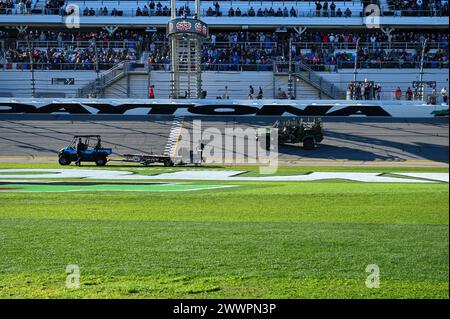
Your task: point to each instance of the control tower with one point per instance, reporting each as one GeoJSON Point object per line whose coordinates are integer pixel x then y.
{"type": "Point", "coordinates": [186, 36]}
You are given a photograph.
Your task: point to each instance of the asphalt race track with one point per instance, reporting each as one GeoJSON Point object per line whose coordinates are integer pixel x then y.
{"type": "Point", "coordinates": [357, 140]}
{"type": "Point", "coordinates": [46, 138]}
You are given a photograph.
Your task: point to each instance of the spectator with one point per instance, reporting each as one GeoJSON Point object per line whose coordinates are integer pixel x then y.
{"type": "Point", "coordinates": [348, 13]}
{"type": "Point", "coordinates": [166, 11]}
{"type": "Point", "coordinates": [281, 95]}
{"type": "Point", "coordinates": [318, 8]}
{"type": "Point", "coordinates": [151, 92]}
{"type": "Point", "coordinates": [152, 7]}
{"type": "Point", "coordinates": [217, 8]}
{"type": "Point", "coordinates": [325, 8]}
{"type": "Point", "coordinates": [28, 6]}
{"type": "Point", "coordinates": [377, 91]}
{"type": "Point", "coordinates": [350, 89]}
{"type": "Point", "coordinates": [293, 13]}
{"type": "Point", "coordinates": [260, 95]}
{"type": "Point", "coordinates": [279, 13]}
{"type": "Point", "coordinates": [398, 93]}
{"type": "Point", "coordinates": [333, 9]}
{"type": "Point", "coordinates": [409, 94]}
{"type": "Point", "coordinates": [251, 92]}
{"type": "Point", "coordinates": [225, 95]}
{"type": "Point", "coordinates": [444, 95]}
{"type": "Point", "coordinates": [367, 90]}
{"type": "Point", "coordinates": [145, 11]}
{"type": "Point", "coordinates": [432, 98]}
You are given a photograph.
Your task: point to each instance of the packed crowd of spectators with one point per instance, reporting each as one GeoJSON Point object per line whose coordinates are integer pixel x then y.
{"type": "Point", "coordinates": [419, 7]}
{"type": "Point", "coordinates": [376, 50]}
{"type": "Point", "coordinates": [324, 9]}
{"type": "Point", "coordinates": [4, 35]}
{"type": "Point", "coordinates": [26, 6]}
{"type": "Point", "coordinates": [6, 6]}
{"type": "Point", "coordinates": [68, 59]}
{"type": "Point", "coordinates": [237, 58]}
{"type": "Point", "coordinates": [373, 39]}
{"type": "Point", "coordinates": [372, 56]}
{"type": "Point", "coordinates": [245, 50]}
{"type": "Point", "coordinates": [54, 6]}
{"type": "Point", "coordinates": [326, 51]}
{"type": "Point", "coordinates": [331, 50]}
{"type": "Point", "coordinates": [138, 41]}
{"type": "Point", "coordinates": [320, 8]}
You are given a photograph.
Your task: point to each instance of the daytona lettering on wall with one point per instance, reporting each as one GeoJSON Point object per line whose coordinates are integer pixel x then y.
{"type": "Point", "coordinates": [210, 108]}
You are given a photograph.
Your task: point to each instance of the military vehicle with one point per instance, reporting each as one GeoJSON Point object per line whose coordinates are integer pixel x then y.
{"type": "Point", "coordinates": [294, 131]}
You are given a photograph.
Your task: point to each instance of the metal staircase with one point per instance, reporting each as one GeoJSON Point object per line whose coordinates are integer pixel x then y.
{"type": "Point", "coordinates": [324, 86]}
{"type": "Point", "coordinates": [103, 80]}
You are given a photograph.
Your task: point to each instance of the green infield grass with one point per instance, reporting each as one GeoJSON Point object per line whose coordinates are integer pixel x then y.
{"type": "Point", "coordinates": [252, 240]}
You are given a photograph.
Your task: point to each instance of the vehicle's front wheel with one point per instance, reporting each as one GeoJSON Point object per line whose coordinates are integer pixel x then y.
{"type": "Point", "coordinates": [168, 163]}
{"type": "Point", "coordinates": [64, 160]}
{"type": "Point", "coordinates": [308, 143]}
{"type": "Point", "coordinates": [101, 161]}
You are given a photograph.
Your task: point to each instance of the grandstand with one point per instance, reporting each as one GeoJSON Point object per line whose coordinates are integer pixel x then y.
{"type": "Point", "coordinates": [264, 149]}
{"type": "Point", "coordinates": [310, 49]}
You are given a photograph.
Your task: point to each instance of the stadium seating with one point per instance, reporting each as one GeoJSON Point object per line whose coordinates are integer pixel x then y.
{"type": "Point", "coordinates": [323, 56]}
{"type": "Point", "coordinates": [302, 8]}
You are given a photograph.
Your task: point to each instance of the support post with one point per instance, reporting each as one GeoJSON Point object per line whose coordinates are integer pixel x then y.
{"type": "Point", "coordinates": [421, 72]}
{"type": "Point", "coordinates": [33, 81]}
{"type": "Point", "coordinates": [111, 29]}
{"type": "Point", "coordinates": [355, 69]}
{"type": "Point", "coordinates": [290, 70]}
{"type": "Point", "coordinates": [300, 30]}
{"type": "Point", "coordinates": [387, 31]}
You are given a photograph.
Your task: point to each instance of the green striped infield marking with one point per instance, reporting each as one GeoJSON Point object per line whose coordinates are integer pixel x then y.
{"type": "Point", "coordinates": [106, 187]}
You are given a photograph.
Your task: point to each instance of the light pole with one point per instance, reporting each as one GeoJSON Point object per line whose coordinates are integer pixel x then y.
{"type": "Point", "coordinates": [33, 83]}
{"type": "Point", "coordinates": [290, 69]}
{"type": "Point", "coordinates": [355, 69]}
{"type": "Point", "coordinates": [3, 49]}
{"type": "Point", "coordinates": [422, 58]}
{"type": "Point", "coordinates": [97, 71]}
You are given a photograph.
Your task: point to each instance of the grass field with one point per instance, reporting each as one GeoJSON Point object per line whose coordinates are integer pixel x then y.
{"type": "Point", "coordinates": [254, 240]}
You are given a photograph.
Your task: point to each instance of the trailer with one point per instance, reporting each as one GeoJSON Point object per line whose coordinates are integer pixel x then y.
{"type": "Point", "coordinates": [153, 158]}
